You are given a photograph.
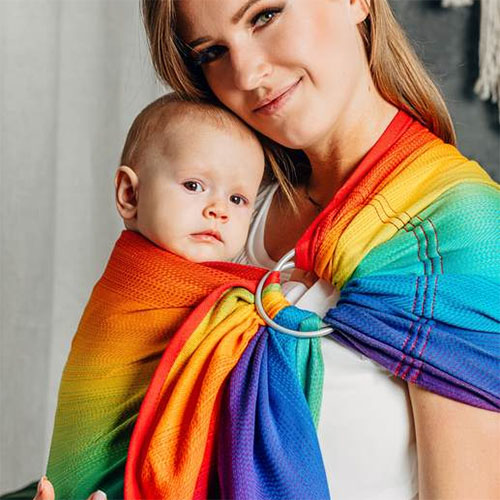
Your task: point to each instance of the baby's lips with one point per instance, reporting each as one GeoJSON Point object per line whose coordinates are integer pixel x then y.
{"type": "Point", "coordinates": [210, 232]}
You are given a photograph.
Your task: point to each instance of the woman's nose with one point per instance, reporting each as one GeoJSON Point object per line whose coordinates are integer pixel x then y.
{"type": "Point", "coordinates": [250, 67]}
{"type": "Point", "coordinates": [217, 210]}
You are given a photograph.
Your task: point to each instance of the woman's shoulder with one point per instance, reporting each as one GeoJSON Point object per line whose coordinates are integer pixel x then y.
{"type": "Point", "coordinates": [464, 192]}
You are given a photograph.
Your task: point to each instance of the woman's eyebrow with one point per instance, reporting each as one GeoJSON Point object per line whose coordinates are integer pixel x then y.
{"type": "Point", "coordinates": [235, 19]}
{"type": "Point", "coordinates": [241, 12]}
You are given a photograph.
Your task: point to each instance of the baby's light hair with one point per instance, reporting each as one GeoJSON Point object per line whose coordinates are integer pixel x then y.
{"type": "Point", "coordinates": [153, 120]}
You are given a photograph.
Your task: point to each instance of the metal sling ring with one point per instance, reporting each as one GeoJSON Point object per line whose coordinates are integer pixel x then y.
{"type": "Point", "coordinates": [286, 262]}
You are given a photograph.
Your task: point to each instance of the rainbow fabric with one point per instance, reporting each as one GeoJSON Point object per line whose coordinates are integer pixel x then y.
{"type": "Point", "coordinates": [413, 242]}
{"type": "Point", "coordinates": [149, 299]}
{"type": "Point", "coordinates": [221, 405]}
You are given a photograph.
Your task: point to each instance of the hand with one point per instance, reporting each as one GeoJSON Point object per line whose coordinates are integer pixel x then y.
{"type": "Point", "coordinates": [306, 277]}
{"type": "Point", "coordinates": [45, 491]}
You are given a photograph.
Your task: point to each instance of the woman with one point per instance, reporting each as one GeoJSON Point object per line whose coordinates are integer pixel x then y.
{"type": "Point", "coordinates": [329, 78]}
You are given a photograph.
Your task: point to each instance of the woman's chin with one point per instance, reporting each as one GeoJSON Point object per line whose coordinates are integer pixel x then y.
{"type": "Point", "coordinates": [295, 138]}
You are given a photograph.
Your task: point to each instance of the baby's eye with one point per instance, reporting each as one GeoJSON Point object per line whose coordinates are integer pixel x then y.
{"type": "Point", "coordinates": [265, 17]}
{"type": "Point", "coordinates": [209, 54]}
{"type": "Point", "coordinates": [194, 186]}
{"type": "Point", "coordinates": [237, 199]}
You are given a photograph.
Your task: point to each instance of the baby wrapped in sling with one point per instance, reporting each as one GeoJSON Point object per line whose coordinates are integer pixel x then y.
{"type": "Point", "coordinates": [176, 388]}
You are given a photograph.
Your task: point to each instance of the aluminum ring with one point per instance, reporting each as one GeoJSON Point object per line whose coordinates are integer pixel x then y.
{"type": "Point", "coordinates": [286, 262]}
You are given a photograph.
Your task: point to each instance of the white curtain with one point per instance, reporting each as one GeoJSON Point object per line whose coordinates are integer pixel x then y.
{"type": "Point", "coordinates": [73, 74]}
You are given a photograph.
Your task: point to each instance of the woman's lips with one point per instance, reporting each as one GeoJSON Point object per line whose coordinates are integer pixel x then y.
{"type": "Point", "coordinates": [274, 103]}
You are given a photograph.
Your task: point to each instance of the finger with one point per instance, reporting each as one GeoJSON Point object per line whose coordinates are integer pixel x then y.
{"type": "Point", "coordinates": [97, 495]}
{"type": "Point", "coordinates": [310, 278]}
{"type": "Point", "coordinates": [45, 490]}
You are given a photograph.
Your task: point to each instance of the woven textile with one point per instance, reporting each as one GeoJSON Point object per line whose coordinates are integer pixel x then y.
{"type": "Point", "coordinates": [144, 297]}
{"type": "Point", "coordinates": [414, 246]}
{"type": "Point", "coordinates": [175, 384]}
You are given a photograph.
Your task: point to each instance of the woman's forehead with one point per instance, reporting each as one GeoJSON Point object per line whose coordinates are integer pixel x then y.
{"type": "Point", "coordinates": [203, 18]}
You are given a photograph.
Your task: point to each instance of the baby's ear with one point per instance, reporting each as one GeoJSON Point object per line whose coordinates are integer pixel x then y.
{"type": "Point", "coordinates": [126, 186]}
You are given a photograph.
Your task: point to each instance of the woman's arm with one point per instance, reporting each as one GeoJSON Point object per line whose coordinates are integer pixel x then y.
{"type": "Point", "coordinates": [458, 448]}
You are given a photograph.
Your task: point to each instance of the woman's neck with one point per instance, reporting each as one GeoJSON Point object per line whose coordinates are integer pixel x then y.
{"type": "Point", "coordinates": [335, 158]}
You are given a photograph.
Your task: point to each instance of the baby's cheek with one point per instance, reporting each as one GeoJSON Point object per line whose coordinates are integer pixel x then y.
{"type": "Point", "coordinates": [234, 242]}
{"type": "Point", "coordinates": [244, 229]}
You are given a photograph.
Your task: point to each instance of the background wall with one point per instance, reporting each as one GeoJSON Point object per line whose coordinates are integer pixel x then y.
{"type": "Point", "coordinates": [73, 74]}
{"type": "Point", "coordinates": [447, 40]}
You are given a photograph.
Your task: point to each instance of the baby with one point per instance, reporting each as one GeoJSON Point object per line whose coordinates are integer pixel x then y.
{"type": "Point", "coordinates": [188, 179]}
{"type": "Point", "coordinates": [187, 184]}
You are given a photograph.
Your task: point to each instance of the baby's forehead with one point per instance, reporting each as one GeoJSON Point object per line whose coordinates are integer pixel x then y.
{"type": "Point", "coordinates": [208, 146]}
{"type": "Point", "coordinates": [214, 120]}
{"type": "Point", "coordinates": [189, 132]}
{"type": "Point", "coordinates": [188, 120]}
{"type": "Point", "coordinates": [205, 149]}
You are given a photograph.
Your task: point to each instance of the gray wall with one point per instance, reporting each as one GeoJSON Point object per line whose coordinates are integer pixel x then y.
{"type": "Point", "coordinates": [447, 40]}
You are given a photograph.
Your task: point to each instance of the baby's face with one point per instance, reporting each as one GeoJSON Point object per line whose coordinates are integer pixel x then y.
{"type": "Point", "coordinates": [197, 193]}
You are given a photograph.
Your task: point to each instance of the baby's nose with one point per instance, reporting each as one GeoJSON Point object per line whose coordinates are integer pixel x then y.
{"type": "Point", "coordinates": [217, 210]}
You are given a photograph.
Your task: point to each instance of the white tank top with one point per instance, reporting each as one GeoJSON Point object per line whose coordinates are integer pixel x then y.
{"type": "Point", "coordinates": [365, 430]}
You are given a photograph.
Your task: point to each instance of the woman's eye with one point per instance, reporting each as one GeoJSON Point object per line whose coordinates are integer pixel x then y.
{"type": "Point", "coordinates": [209, 54]}
{"type": "Point", "coordinates": [237, 199]}
{"type": "Point", "coordinates": [265, 17]}
{"type": "Point", "coordinates": [193, 186]}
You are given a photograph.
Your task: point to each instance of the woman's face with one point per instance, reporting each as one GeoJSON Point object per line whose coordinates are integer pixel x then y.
{"type": "Point", "coordinates": [292, 69]}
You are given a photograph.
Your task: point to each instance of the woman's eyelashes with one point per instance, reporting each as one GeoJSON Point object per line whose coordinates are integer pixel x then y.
{"type": "Point", "coordinates": [208, 55]}
{"type": "Point", "coordinates": [260, 20]}
{"type": "Point", "coordinates": [265, 17]}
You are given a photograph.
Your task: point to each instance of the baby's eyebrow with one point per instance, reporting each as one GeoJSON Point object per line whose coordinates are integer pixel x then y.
{"type": "Point", "coordinates": [192, 171]}
{"type": "Point", "coordinates": [242, 190]}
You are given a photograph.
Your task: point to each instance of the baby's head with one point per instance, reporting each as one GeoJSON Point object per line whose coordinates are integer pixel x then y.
{"type": "Point", "coordinates": [188, 179]}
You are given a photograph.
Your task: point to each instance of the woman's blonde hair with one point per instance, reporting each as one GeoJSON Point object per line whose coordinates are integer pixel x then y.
{"type": "Point", "coordinates": [399, 75]}
{"type": "Point", "coordinates": [396, 70]}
